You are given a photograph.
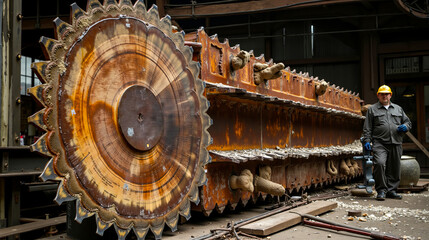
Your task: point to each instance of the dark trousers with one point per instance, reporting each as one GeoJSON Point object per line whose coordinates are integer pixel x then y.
{"type": "Point", "coordinates": [387, 166]}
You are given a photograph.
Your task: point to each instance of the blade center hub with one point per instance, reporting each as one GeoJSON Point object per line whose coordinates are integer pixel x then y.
{"type": "Point", "coordinates": [140, 118]}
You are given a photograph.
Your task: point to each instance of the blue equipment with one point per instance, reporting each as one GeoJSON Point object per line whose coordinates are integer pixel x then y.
{"type": "Point", "coordinates": [367, 168]}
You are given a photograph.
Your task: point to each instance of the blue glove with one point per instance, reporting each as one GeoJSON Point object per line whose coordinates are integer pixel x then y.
{"type": "Point", "coordinates": [402, 128]}
{"type": "Point", "coordinates": [368, 146]}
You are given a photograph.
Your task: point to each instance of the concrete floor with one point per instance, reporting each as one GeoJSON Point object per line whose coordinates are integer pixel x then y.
{"type": "Point", "coordinates": [407, 218]}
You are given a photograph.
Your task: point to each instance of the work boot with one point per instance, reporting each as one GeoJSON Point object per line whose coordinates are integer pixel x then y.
{"type": "Point", "coordinates": [394, 195]}
{"type": "Point", "coordinates": [381, 196]}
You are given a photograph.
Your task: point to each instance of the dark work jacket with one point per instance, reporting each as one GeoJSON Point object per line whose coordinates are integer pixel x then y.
{"type": "Point", "coordinates": [381, 124]}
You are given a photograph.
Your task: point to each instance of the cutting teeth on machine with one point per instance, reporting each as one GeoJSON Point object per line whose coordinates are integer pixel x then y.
{"type": "Point", "coordinates": [56, 50]}
{"type": "Point", "coordinates": [67, 152]}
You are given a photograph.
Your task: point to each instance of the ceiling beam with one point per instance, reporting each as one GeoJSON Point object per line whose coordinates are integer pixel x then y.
{"type": "Point", "coordinates": [192, 11]}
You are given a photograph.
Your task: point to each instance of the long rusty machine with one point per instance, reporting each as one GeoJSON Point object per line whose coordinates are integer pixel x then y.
{"type": "Point", "coordinates": [142, 120]}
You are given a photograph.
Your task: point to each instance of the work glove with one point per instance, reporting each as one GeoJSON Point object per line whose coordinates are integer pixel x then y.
{"type": "Point", "coordinates": [368, 146]}
{"type": "Point", "coordinates": [402, 128]}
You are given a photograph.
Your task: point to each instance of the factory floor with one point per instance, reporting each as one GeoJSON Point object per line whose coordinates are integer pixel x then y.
{"type": "Point", "coordinates": [405, 219]}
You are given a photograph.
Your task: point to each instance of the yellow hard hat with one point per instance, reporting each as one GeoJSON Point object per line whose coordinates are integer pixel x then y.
{"type": "Point", "coordinates": [384, 89]}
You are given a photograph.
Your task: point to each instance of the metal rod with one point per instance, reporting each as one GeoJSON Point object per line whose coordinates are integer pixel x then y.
{"type": "Point", "coordinates": [328, 222]}
{"type": "Point", "coordinates": [199, 4]}
{"type": "Point", "coordinates": [19, 174]}
{"type": "Point", "coordinates": [322, 33]}
{"type": "Point", "coordinates": [244, 12]}
{"type": "Point", "coordinates": [297, 20]}
{"type": "Point", "coordinates": [352, 230]}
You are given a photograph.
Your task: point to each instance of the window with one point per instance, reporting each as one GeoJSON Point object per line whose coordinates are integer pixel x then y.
{"type": "Point", "coordinates": [28, 78]}
{"type": "Point", "coordinates": [402, 65]}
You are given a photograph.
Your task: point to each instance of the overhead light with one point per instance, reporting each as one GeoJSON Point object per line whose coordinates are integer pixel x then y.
{"type": "Point", "coordinates": [408, 93]}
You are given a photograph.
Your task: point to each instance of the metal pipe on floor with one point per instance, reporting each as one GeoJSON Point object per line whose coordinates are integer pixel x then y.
{"type": "Point", "coordinates": [339, 227]}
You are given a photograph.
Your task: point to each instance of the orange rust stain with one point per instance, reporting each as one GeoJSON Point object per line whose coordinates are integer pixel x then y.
{"type": "Point", "coordinates": [238, 127]}
{"type": "Point", "coordinates": [227, 135]}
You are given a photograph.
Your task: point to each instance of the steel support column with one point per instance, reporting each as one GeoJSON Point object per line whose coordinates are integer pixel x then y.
{"type": "Point", "coordinates": [10, 73]}
{"type": "Point", "coordinates": [10, 105]}
{"type": "Point", "coordinates": [14, 66]}
{"type": "Point", "coordinates": [13, 197]}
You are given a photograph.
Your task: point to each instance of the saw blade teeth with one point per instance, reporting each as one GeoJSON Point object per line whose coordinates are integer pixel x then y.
{"type": "Point", "coordinates": [39, 68]}
{"type": "Point", "coordinates": [37, 119]}
{"type": "Point", "coordinates": [111, 6]}
{"type": "Point", "coordinates": [140, 232]}
{"type": "Point", "coordinates": [122, 233]}
{"type": "Point", "coordinates": [52, 48]}
{"type": "Point", "coordinates": [49, 172]}
{"type": "Point", "coordinates": [195, 69]}
{"type": "Point", "coordinates": [204, 156]}
{"type": "Point", "coordinates": [205, 104]}
{"type": "Point", "coordinates": [157, 230]}
{"type": "Point", "coordinates": [187, 52]}
{"type": "Point", "coordinates": [185, 210]}
{"type": "Point", "coordinates": [76, 14]}
{"type": "Point", "coordinates": [206, 139]}
{"type": "Point", "coordinates": [179, 39]}
{"type": "Point", "coordinates": [81, 212]}
{"type": "Point", "coordinates": [51, 73]}
{"type": "Point", "coordinates": [125, 3]}
{"type": "Point", "coordinates": [94, 10]}
{"type": "Point", "coordinates": [101, 225]}
{"type": "Point", "coordinates": [92, 5]}
{"type": "Point", "coordinates": [193, 194]}
{"type": "Point", "coordinates": [153, 15]}
{"type": "Point", "coordinates": [110, 2]}
{"type": "Point", "coordinates": [63, 195]}
{"type": "Point", "coordinates": [166, 19]}
{"type": "Point", "coordinates": [140, 9]}
{"type": "Point", "coordinates": [63, 30]}
{"type": "Point", "coordinates": [126, 7]}
{"type": "Point", "coordinates": [48, 119]}
{"type": "Point", "coordinates": [37, 93]}
{"type": "Point", "coordinates": [165, 25]}
{"type": "Point", "coordinates": [172, 221]}
{"type": "Point", "coordinates": [40, 146]}
{"type": "Point", "coordinates": [46, 71]}
{"type": "Point", "coordinates": [203, 178]}
{"type": "Point", "coordinates": [208, 120]}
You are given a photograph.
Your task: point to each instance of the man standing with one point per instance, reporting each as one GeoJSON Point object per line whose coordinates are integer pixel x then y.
{"type": "Point", "coordinates": [384, 126]}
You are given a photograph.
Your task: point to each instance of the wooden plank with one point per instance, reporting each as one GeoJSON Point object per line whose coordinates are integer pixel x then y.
{"type": "Point", "coordinates": [280, 221]}
{"type": "Point", "coordinates": [411, 136]}
{"type": "Point", "coordinates": [27, 227]}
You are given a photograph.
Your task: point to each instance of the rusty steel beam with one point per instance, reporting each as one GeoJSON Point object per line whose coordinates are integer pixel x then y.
{"type": "Point", "coordinates": [215, 58]}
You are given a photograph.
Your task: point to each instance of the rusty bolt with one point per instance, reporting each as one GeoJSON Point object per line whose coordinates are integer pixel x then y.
{"type": "Point", "coordinates": [19, 17]}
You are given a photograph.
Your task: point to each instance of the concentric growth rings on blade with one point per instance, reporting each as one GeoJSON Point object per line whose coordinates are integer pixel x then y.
{"type": "Point", "coordinates": [126, 123]}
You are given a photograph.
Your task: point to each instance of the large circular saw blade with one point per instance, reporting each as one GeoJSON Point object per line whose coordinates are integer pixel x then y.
{"type": "Point", "coordinates": [125, 117]}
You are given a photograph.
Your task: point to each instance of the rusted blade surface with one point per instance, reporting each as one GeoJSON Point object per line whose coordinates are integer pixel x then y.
{"type": "Point", "coordinates": [127, 123]}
